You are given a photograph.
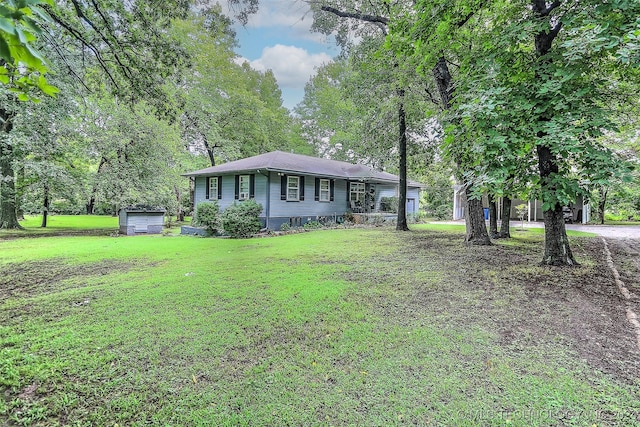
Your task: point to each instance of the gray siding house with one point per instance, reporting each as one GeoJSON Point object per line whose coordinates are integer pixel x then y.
{"type": "Point", "coordinates": [296, 189]}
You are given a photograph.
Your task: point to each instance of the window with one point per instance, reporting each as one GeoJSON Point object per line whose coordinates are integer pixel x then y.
{"type": "Point", "coordinates": [325, 190]}
{"type": "Point", "coordinates": [244, 184]}
{"type": "Point", "coordinates": [213, 188]}
{"type": "Point", "coordinates": [293, 188]}
{"type": "Point", "coordinates": [356, 192]}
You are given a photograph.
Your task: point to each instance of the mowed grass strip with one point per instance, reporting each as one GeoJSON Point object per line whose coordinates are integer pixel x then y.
{"type": "Point", "coordinates": [340, 327]}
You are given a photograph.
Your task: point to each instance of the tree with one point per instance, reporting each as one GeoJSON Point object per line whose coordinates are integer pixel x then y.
{"type": "Point", "coordinates": [327, 115]}
{"type": "Point", "coordinates": [568, 99]}
{"type": "Point", "coordinates": [371, 20]}
{"type": "Point", "coordinates": [542, 61]}
{"type": "Point", "coordinates": [8, 110]}
{"type": "Point", "coordinates": [102, 44]}
{"type": "Point", "coordinates": [46, 167]}
{"type": "Point", "coordinates": [133, 154]}
{"type": "Point", "coordinates": [230, 110]}
{"type": "Point", "coordinates": [420, 35]}
{"type": "Point", "coordinates": [22, 67]}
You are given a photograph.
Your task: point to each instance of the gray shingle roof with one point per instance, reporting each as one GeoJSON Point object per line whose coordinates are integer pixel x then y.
{"type": "Point", "coordinates": [279, 161]}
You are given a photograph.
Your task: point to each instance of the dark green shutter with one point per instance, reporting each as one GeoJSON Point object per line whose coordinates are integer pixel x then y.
{"type": "Point", "coordinates": [317, 195]}
{"type": "Point", "coordinates": [332, 188]}
{"type": "Point", "coordinates": [301, 183]}
{"type": "Point", "coordinates": [252, 186]}
{"type": "Point", "coordinates": [237, 187]}
{"type": "Point", "coordinates": [219, 187]}
{"type": "Point", "coordinates": [283, 187]}
{"type": "Point", "coordinates": [208, 185]}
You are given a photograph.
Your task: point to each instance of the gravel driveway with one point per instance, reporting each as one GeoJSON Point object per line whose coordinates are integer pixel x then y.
{"type": "Point", "coordinates": [613, 231]}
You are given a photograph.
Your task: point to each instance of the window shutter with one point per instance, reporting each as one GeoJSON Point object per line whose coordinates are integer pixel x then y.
{"type": "Point", "coordinates": [237, 187]}
{"type": "Point", "coordinates": [283, 187]}
{"type": "Point", "coordinates": [316, 197]}
{"type": "Point", "coordinates": [301, 188]}
{"type": "Point", "coordinates": [332, 186]}
{"type": "Point", "coordinates": [219, 187]}
{"type": "Point", "coordinates": [348, 191]}
{"type": "Point", "coordinates": [252, 186]}
{"type": "Point", "coordinates": [207, 183]}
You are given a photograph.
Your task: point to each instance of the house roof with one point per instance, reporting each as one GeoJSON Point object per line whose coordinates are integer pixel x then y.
{"type": "Point", "coordinates": [280, 161]}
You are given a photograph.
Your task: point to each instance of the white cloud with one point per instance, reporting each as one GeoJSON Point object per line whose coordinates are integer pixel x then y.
{"type": "Point", "coordinates": [295, 16]}
{"type": "Point", "coordinates": [291, 65]}
{"type": "Point", "coordinates": [279, 13]}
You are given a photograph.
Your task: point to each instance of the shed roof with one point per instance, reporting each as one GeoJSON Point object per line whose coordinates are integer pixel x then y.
{"type": "Point", "coordinates": [280, 161]}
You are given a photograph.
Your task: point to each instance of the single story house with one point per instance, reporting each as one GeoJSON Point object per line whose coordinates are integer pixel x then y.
{"type": "Point", "coordinates": [295, 189]}
{"type": "Point", "coordinates": [580, 211]}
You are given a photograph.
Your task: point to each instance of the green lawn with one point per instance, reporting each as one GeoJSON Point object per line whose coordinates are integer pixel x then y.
{"type": "Point", "coordinates": [70, 222]}
{"type": "Point", "coordinates": [340, 327]}
{"type": "Point", "coordinates": [73, 224]}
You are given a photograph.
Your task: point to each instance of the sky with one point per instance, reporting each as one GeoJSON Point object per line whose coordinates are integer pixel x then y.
{"type": "Point", "coordinates": [279, 38]}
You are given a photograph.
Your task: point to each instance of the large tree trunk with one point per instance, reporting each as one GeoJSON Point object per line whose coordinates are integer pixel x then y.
{"type": "Point", "coordinates": [8, 215]}
{"type": "Point", "coordinates": [20, 187]}
{"type": "Point", "coordinates": [45, 206]}
{"type": "Point", "coordinates": [556, 244]}
{"type": "Point", "coordinates": [602, 203]}
{"type": "Point", "coordinates": [210, 150]}
{"type": "Point", "coordinates": [493, 217]}
{"type": "Point", "coordinates": [474, 220]}
{"type": "Point", "coordinates": [474, 217]}
{"type": "Point", "coordinates": [91, 204]}
{"type": "Point", "coordinates": [401, 224]}
{"type": "Point", "coordinates": [505, 217]}
{"type": "Point", "coordinates": [179, 211]}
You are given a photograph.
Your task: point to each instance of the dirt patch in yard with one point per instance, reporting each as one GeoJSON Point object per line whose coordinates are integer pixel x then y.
{"type": "Point", "coordinates": [505, 291]}
{"type": "Point", "coordinates": [26, 279]}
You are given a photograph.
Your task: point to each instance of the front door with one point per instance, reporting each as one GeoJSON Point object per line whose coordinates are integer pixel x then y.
{"type": "Point", "coordinates": [411, 206]}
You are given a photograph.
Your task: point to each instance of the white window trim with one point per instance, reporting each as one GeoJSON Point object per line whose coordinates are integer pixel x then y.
{"type": "Point", "coordinates": [241, 180]}
{"type": "Point", "coordinates": [359, 192]}
{"type": "Point", "coordinates": [296, 188]}
{"type": "Point", "coordinates": [325, 194]}
{"type": "Point", "coordinates": [213, 188]}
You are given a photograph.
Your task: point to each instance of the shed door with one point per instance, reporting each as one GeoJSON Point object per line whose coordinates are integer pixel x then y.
{"type": "Point", "coordinates": [140, 222]}
{"type": "Point", "coordinates": [411, 205]}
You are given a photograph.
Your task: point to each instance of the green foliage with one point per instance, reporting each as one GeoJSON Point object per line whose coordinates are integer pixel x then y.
{"type": "Point", "coordinates": [312, 225]}
{"type": "Point", "coordinates": [389, 204]}
{"type": "Point", "coordinates": [285, 226]}
{"type": "Point", "coordinates": [126, 49]}
{"type": "Point", "coordinates": [443, 212]}
{"type": "Point", "coordinates": [207, 215]}
{"type": "Point", "coordinates": [231, 111]}
{"type": "Point", "coordinates": [241, 220]}
{"type": "Point", "coordinates": [437, 198]}
{"type": "Point", "coordinates": [506, 93]}
{"type": "Point", "coordinates": [23, 68]}
{"type": "Point", "coordinates": [350, 109]}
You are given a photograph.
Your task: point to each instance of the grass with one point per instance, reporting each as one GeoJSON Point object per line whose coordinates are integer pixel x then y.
{"type": "Point", "coordinates": [71, 222]}
{"type": "Point", "coordinates": [621, 222]}
{"type": "Point", "coordinates": [324, 328]}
